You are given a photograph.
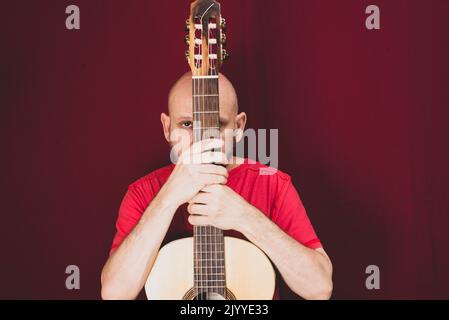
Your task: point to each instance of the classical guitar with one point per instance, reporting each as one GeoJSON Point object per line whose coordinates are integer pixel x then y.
{"type": "Point", "coordinates": [209, 266]}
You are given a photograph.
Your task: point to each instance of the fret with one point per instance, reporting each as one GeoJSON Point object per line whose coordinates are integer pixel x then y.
{"type": "Point", "coordinates": [207, 269]}
{"type": "Point", "coordinates": [205, 251]}
{"type": "Point", "coordinates": [205, 95]}
{"type": "Point", "coordinates": [205, 128]}
{"type": "Point", "coordinates": [208, 247]}
{"type": "Point", "coordinates": [206, 112]}
{"type": "Point", "coordinates": [202, 234]}
{"type": "Point", "coordinates": [208, 287]}
{"type": "Point", "coordinates": [213, 274]}
{"type": "Point", "coordinates": [206, 99]}
{"type": "Point", "coordinates": [208, 251]}
{"type": "Point", "coordinates": [205, 244]}
{"type": "Point", "coordinates": [205, 77]}
{"type": "Point", "coordinates": [209, 235]}
{"type": "Point", "coordinates": [206, 88]}
{"type": "Point", "coordinates": [199, 280]}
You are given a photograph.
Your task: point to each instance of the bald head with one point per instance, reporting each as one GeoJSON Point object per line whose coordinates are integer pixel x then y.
{"type": "Point", "coordinates": [180, 96]}
{"type": "Point", "coordinates": [178, 123]}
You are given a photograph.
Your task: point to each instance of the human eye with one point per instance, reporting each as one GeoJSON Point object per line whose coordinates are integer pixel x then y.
{"type": "Point", "coordinates": [186, 124]}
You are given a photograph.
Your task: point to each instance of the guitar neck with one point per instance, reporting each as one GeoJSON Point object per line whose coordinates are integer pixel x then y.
{"type": "Point", "coordinates": [206, 110]}
{"type": "Point", "coordinates": [209, 258]}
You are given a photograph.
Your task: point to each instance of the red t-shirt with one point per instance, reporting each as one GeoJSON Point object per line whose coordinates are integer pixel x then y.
{"type": "Point", "coordinates": [274, 195]}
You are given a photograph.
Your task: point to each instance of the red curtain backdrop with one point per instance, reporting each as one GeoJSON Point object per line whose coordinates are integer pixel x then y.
{"type": "Point", "coordinates": [362, 117]}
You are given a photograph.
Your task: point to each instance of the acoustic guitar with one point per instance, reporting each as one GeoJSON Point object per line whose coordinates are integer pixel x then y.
{"type": "Point", "coordinates": [209, 266]}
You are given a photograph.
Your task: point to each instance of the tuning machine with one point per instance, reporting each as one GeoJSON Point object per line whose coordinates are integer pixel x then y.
{"type": "Point", "coordinates": [223, 24]}
{"type": "Point", "coordinates": [223, 39]}
{"type": "Point", "coordinates": [224, 55]}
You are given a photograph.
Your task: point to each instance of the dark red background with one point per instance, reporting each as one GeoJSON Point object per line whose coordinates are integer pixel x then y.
{"type": "Point", "coordinates": [362, 118]}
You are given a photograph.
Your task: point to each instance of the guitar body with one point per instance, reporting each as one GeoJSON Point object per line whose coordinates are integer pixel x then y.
{"type": "Point", "coordinates": [249, 273]}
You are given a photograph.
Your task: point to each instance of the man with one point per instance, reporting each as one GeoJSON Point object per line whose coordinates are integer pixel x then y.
{"type": "Point", "coordinates": [264, 209]}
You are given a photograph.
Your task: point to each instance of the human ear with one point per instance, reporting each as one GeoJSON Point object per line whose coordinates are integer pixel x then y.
{"type": "Point", "coordinates": [165, 120]}
{"type": "Point", "coordinates": [240, 124]}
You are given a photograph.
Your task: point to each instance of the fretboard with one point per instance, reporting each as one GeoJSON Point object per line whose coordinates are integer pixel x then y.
{"type": "Point", "coordinates": [209, 257]}
{"type": "Point", "coordinates": [206, 111]}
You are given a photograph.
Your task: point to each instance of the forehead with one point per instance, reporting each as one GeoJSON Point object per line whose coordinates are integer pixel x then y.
{"type": "Point", "coordinates": [181, 102]}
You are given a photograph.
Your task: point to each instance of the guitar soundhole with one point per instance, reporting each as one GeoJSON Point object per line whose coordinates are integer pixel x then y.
{"type": "Point", "coordinates": [191, 295]}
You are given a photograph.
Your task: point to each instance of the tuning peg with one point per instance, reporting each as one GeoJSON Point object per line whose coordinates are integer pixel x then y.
{"type": "Point", "coordinates": [187, 25]}
{"type": "Point", "coordinates": [187, 54]}
{"type": "Point", "coordinates": [187, 39]}
{"type": "Point", "coordinates": [223, 39]}
{"type": "Point", "coordinates": [224, 55]}
{"type": "Point", "coordinates": [223, 24]}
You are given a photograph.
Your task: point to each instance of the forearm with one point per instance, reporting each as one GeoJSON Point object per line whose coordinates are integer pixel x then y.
{"type": "Point", "coordinates": [125, 272]}
{"type": "Point", "coordinates": [306, 271]}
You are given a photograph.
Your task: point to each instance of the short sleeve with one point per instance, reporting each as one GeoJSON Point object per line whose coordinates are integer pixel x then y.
{"type": "Point", "coordinates": [131, 210]}
{"type": "Point", "coordinates": [290, 215]}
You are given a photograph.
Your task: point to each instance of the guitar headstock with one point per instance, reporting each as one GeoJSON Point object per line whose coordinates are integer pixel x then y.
{"type": "Point", "coordinates": [206, 38]}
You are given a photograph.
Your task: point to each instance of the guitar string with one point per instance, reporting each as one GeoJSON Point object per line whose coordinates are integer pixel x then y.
{"type": "Point", "coordinates": [198, 230]}
{"type": "Point", "coordinates": [209, 91]}
{"type": "Point", "coordinates": [218, 235]}
{"type": "Point", "coordinates": [210, 87]}
{"type": "Point", "coordinates": [196, 275]}
{"type": "Point", "coordinates": [218, 254]}
{"type": "Point", "coordinates": [218, 239]}
{"type": "Point", "coordinates": [203, 126]}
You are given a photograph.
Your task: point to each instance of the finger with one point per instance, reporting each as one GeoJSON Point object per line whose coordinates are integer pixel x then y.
{"type": "Point", "coordinates": [213, 157]}
{"type": "Point", "coordinates": [213, 169]}
{"type": "Point", "coordinates": [198, 148]}
{"type": "Point", "coordinates": [209, 179]}
{"type": "Point", "coordinates": [207, 157]}
{"type": "Point", "coordinates": [200, 198]}
{"type": "Point", "coordinates": [213, 188]}
{"type": "Point", "coordinates": [197, 209]}
{"type": "Point", "coordinates": [199, 220]}
{"type": "Point", "coordinates": [206, 145]}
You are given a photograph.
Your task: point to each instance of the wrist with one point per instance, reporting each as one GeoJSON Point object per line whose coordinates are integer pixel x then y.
{"type": "Point", "coordinates": [250, 223]}
{"type": "Point", "coordinates": [167, 200]}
